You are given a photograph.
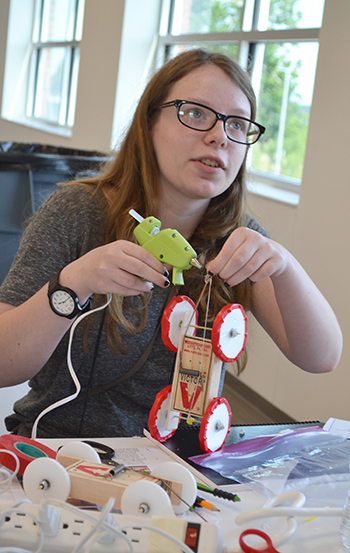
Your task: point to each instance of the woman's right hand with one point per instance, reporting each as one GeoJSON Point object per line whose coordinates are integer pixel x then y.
{"type": "Point", "coordinates": [30, 332]}
{"type": "Point", "coordinates": [120, 267]}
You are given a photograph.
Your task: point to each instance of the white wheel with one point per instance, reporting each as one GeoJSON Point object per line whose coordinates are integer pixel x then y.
{"type": "Point", "coordinates": [158, 415]}
{"type": "Point", "coordinates": [144, 498]}
{"type": "Point", "coordinates": [172, 321]}
{"type": "Point", "coordinates": [80, 450]}
{"type": "Point", "coordinates": [45, 478]}
{"type": "Point", "coordinates": [178, 473]}
{"type": "Point", "coordinates": [215, 425]}
{"type": "Point", "coordinates": [229, 333]}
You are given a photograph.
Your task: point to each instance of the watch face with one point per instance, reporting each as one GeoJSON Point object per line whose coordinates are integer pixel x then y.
{"type": "Point", "coordinates": [62, 302]}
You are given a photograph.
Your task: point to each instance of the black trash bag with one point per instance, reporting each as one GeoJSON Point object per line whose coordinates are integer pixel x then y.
{"type": "Point", "coordinates": [29, 174]}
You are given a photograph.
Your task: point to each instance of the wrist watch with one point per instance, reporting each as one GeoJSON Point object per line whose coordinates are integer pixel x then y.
{"type": "Point", "coordinates": [64, 302]}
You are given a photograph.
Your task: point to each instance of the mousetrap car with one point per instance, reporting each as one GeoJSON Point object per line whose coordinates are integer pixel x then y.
{"type": "Point", "coordinates": [78, 473]}
{"type": "Point", "coordinates": [193, 394]}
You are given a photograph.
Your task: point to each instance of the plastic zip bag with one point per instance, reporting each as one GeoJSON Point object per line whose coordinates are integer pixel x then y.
{"type": "Point", "coordinates": [280, 462]}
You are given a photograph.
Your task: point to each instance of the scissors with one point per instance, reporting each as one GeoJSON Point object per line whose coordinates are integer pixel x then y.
{"type": "Point", "coordinates": [106, 455]}
{"type": "Point", "coordinates": [105, 452]}
{"type": "Point", "coordinates": [248, 549]}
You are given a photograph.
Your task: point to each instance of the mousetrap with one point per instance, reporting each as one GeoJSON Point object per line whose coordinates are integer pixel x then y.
{"type": "Point", "coordinates": [96, 483]}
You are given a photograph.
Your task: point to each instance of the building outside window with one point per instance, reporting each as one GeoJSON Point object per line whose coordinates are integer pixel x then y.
{"type": "Point", "coordinates": [277, 42]}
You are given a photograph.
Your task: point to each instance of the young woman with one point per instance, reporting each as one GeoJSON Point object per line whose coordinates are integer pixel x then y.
{"type": "Point", "coordinates": [183, 161]}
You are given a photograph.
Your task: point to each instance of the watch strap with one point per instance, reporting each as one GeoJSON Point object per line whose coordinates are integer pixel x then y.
{"type": "Point", "coordinates": [78, 309]}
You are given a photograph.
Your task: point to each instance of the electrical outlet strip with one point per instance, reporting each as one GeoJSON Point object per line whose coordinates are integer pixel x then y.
{"type": "Point", "coordinates": [65, 527]}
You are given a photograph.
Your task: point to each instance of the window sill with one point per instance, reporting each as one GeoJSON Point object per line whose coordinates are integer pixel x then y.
{"type": "Point", "coordinates": [276, 187]}
{"type": "Point", "coordinates": [42, 126]}
{"type": "Point", "coordinates": [273, 193]}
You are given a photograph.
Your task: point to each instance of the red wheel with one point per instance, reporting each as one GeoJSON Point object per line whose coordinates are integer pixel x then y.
{"type": "Point", "coordinates": [157, 419]}
{"type": "Point", "coordinates": [172, 320]}
{"type": "Point", "coordinates": [215, 425]}
{"type": "Point", "coordinates": [229, 333]}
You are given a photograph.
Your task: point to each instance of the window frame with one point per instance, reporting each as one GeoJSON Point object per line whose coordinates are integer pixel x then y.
{"type": "Point", "coordinates": [70, 71]}
{"type": "Point", "coordinates": [246, 38]}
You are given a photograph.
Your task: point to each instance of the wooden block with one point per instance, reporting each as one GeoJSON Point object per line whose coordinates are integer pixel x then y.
{"type": "Point", "coordinates": [95, 482]}
{"type": "Point", "coordinates": [193, 376]}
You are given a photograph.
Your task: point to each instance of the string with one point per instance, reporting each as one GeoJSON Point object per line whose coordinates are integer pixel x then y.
{"type": "Point", "coordinates": [165, 484]}
{"type": "Point", "coordinates": [207, 279]}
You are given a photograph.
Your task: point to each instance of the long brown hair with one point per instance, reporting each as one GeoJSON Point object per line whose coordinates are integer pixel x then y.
{"type": "Point", "coordinates": [131, 180]}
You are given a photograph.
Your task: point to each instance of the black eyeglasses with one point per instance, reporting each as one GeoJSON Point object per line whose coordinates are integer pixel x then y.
{"type": "Point", "coordinates": [202, 118]}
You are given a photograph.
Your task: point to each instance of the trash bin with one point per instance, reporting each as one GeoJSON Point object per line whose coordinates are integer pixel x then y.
{"type": "Point", "coordinates": [29, 173]}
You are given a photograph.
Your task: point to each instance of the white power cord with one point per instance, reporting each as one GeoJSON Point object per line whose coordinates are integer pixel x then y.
{"type": "Point", "coordinates": [183, 547]}
{"type": "Point", "coordinates": [6, 483]}
{"type": "Point", "coordinates": [274, 508]}
{"type": "Point", "coordinates": [119, 531]}
{"type": "Point", "coordinates": [8, 513]}
{"type": "Point", "coordinates": [94, 535]}
{"type": "Point", "coordinates": [70, 367]}
{"type": "Point", "coordinates": [101, 526]}
{"type": "Point", "coordinates": [4, 486]}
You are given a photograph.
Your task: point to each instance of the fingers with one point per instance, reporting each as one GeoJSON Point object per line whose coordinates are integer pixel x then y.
{"type": "Point", "coordinates": [144, 265]}
{"type": "Point", "coordinates": [124, 268]}
{"type": "Point", "coordinates": [247, 254]}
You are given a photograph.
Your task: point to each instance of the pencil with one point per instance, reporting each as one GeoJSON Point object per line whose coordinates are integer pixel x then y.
{"type": "Point", "coordinates": [200, 502]}
{"type": "Point", "coordinates": [219, 493]}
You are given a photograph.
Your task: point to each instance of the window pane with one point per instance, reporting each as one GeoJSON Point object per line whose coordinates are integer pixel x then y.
{"type": "Point", "coordinates": [291, 14]}
{"type": "Point", "coordinates": [206, 16]}
{"type": "Point", "coordinates": [230, 50]}
{"type": "Point", "coordinates": [58, 20]}
{"type": "Point", "coordinates": [284, 100]}
{"type": "Point", "coordinates": [50, 83]}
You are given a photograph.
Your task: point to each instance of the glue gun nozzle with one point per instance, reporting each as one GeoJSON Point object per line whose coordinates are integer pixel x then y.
{"type": "Point", "coordinates": [195, 263]}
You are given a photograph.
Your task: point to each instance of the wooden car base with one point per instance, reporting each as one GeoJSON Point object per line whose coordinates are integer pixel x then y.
{"type": "Point", "coordinates": [96, 483]}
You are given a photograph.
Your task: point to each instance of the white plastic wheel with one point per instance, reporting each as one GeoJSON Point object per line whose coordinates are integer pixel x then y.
{"type": "Point", "coordinates": [229, 333]}
{"type": "Point", "coordinates": [144, 498]}
{"type": "Point", "coordinates": [215, 425]}
{"type": "Point", "coordinates": [80, 450]}
{"type": "Point", "coordinates": [158, 415]}
{"type": "Point", "coordinates": [172, 321]}
{"type": "Point", "coordinates": [178, 473]}
{"type": "Point", "coordinates": [45, 478]}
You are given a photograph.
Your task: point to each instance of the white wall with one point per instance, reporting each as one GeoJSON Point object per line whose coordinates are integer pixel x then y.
{"type": "Point", "coordinates": [316, 231]}
{"type": "Point", "coordinates": [98, 75]}
{"type": "Point", "coordinates": [110, 27]}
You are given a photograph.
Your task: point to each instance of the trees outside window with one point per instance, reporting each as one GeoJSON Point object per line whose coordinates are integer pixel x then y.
{"type": "Point", "coordinates": [277, 41]}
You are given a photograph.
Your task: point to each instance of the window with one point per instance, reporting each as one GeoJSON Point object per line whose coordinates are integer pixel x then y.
{"type": "Point", "coordinates": [277, 41]}
{"type": "Point", "coordinates": [54, 61]}
{"type": "Point", "coordinates": [42, 63]}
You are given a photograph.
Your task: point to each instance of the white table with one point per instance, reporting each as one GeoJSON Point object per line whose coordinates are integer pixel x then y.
{"type": "Point", "coordinates": [320, 534]}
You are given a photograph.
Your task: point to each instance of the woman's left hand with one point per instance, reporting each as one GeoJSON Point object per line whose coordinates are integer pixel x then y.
{"type": "Point", "coordinates": [248, 254]}
{"type": "Point", "coordinates": [284, 299]}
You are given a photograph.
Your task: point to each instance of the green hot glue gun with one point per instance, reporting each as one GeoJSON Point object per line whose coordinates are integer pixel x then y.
{"type": "Point", "coordinates": [167, 245]}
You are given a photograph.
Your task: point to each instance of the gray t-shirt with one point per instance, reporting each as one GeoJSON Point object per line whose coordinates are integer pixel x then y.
{"type": "Point", "coordinates": [68, 225]}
